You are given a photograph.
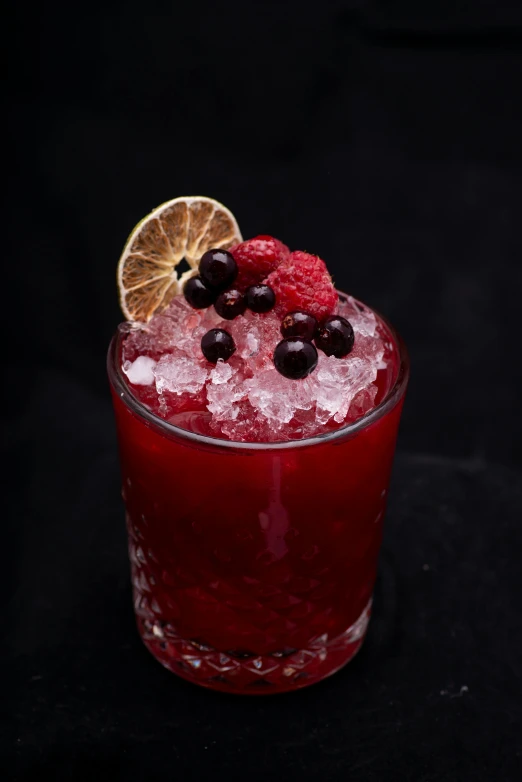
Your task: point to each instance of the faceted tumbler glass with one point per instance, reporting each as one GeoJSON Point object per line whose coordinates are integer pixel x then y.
{"type": "Point", "coordinates": [253, 564]}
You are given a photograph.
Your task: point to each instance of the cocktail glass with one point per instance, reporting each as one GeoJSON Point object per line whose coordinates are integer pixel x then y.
{"type": "Point", "coordinates": [253, 565]}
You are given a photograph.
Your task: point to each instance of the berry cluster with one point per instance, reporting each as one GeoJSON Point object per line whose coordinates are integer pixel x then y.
{"type": "Point", "coordinates": [295, 356]}
{"type": "Point", "coordinates": [217, 272]}
{"type": "Point", "coordinates": [261, 274]}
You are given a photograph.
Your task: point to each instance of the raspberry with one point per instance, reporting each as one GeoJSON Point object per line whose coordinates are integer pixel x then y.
{"type": "Point", "coordinates": [256, 258]}
{"type": "Point", "coordinates": [302, 282]}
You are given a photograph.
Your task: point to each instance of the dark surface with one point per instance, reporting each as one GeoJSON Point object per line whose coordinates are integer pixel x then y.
{"type": "Point", "coordinates": [387, 138]}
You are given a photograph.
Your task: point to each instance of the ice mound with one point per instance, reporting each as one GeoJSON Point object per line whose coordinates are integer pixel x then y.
{"type": "Point", "coordinates": [246, 397]}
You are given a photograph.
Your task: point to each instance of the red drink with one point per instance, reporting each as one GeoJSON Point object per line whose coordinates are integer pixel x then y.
{"type": "Point", "coordinates": [253, 564]}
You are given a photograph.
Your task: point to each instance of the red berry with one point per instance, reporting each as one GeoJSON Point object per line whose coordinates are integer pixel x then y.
{"type": "Point", "coordinates": [302, 282]}
{"type": "Point", "coordinates": [295, 358]}
{"type": "Point", "coordinates": [197, 294]}
{"type": "Point", "coordinates": [256, 258]}
{"type": "Point", "coordinates": [216, 344]}
{"type": "Point", "coordinates": [260, 298]}
{"type": "Point", "coordinates": [299, 324]}
{"type": "Point", "coordinates": [335, 337]}
{"type": "Point", "coordinates": [230, 304]}
{"type": "Point", "coordinates": [217, 269]}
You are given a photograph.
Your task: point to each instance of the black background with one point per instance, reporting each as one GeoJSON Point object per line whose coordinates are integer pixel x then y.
{"type": "Point", "coordinates": [384, 136]}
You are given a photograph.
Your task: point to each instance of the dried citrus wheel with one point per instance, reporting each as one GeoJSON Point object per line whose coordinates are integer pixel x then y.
{"type": "Point", "coordinates": [183, 228]}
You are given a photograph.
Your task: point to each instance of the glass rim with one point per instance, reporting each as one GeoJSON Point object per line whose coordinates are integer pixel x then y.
{"type": "Point", "coordinates": [120, 386]}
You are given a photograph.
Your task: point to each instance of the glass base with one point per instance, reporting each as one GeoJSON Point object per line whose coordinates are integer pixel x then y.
{"type": "Point", "coordinates": [245, 673]}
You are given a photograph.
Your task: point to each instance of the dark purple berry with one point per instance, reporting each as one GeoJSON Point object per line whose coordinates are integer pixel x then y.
{"type": "Point", "coordinates": [335, 337]}
{"type": "Point", "coordinates": [299, 324]}
{"type": "Point", "coordinates": [216, 344]}
{"type": "Point", "coordinates": [260, 298]}
{"type": "Point", "coordinates": [218, 269]}
{"type": "Point", "coordinates": [197, 294]}
{"type": "Point", "coordinates": [230, 304]}
{"type": "Point", "coordinates": [295, 358]}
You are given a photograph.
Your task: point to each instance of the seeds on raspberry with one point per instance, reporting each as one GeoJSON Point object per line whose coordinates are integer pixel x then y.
{"type": "Point", "coordinates": [335, 337]}
{"type": "Point", "coordinates": [302, 282]}
{"type": "Point", "coordinates": [197, 294]}
{"type": "Point", "coordinates": [299, 324]}
{"type": "Point", "coordinates": [295, 358]}
{"type": "Point", "coordinates": [260, 298]}
{"type": "Point", "coordinates": [218, 269]}
{"type": "Point", "coordinates": [230, 304]}
{"type": "Point", "coordinates": [256, 258]}
{"type": "Point", "coordinates": [216, 344]}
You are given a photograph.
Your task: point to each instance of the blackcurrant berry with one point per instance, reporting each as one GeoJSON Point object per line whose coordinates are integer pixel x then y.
{"type": "Point", "coordinates": [260, 298]}
{"type": "Point", "coordinates": [295, 358]}
{"type": "Point", "coordinates": [216, 344]}
{"type": "Point", "coordinates": [299, 324]}
{"type": "Point", "coordinates": [230, 304]}
{"type": "Point", "coordinates": [335, 337]}
{"type": "Point", "coordinates": [218, 269]}
{"type": "Point", "coordinates": [197, 294]}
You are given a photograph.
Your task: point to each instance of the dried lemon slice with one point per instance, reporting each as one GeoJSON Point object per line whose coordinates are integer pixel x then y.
{"type": "Point", "coordinates": [183, 228]}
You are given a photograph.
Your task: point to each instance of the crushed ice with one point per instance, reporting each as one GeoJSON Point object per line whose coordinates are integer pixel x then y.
{"type": "Point", "coordinates": [179, 374]}
{"type": "Point", "coordinates": [247, 392]}
{"type": "Point", "coordinates": [140, 372]}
